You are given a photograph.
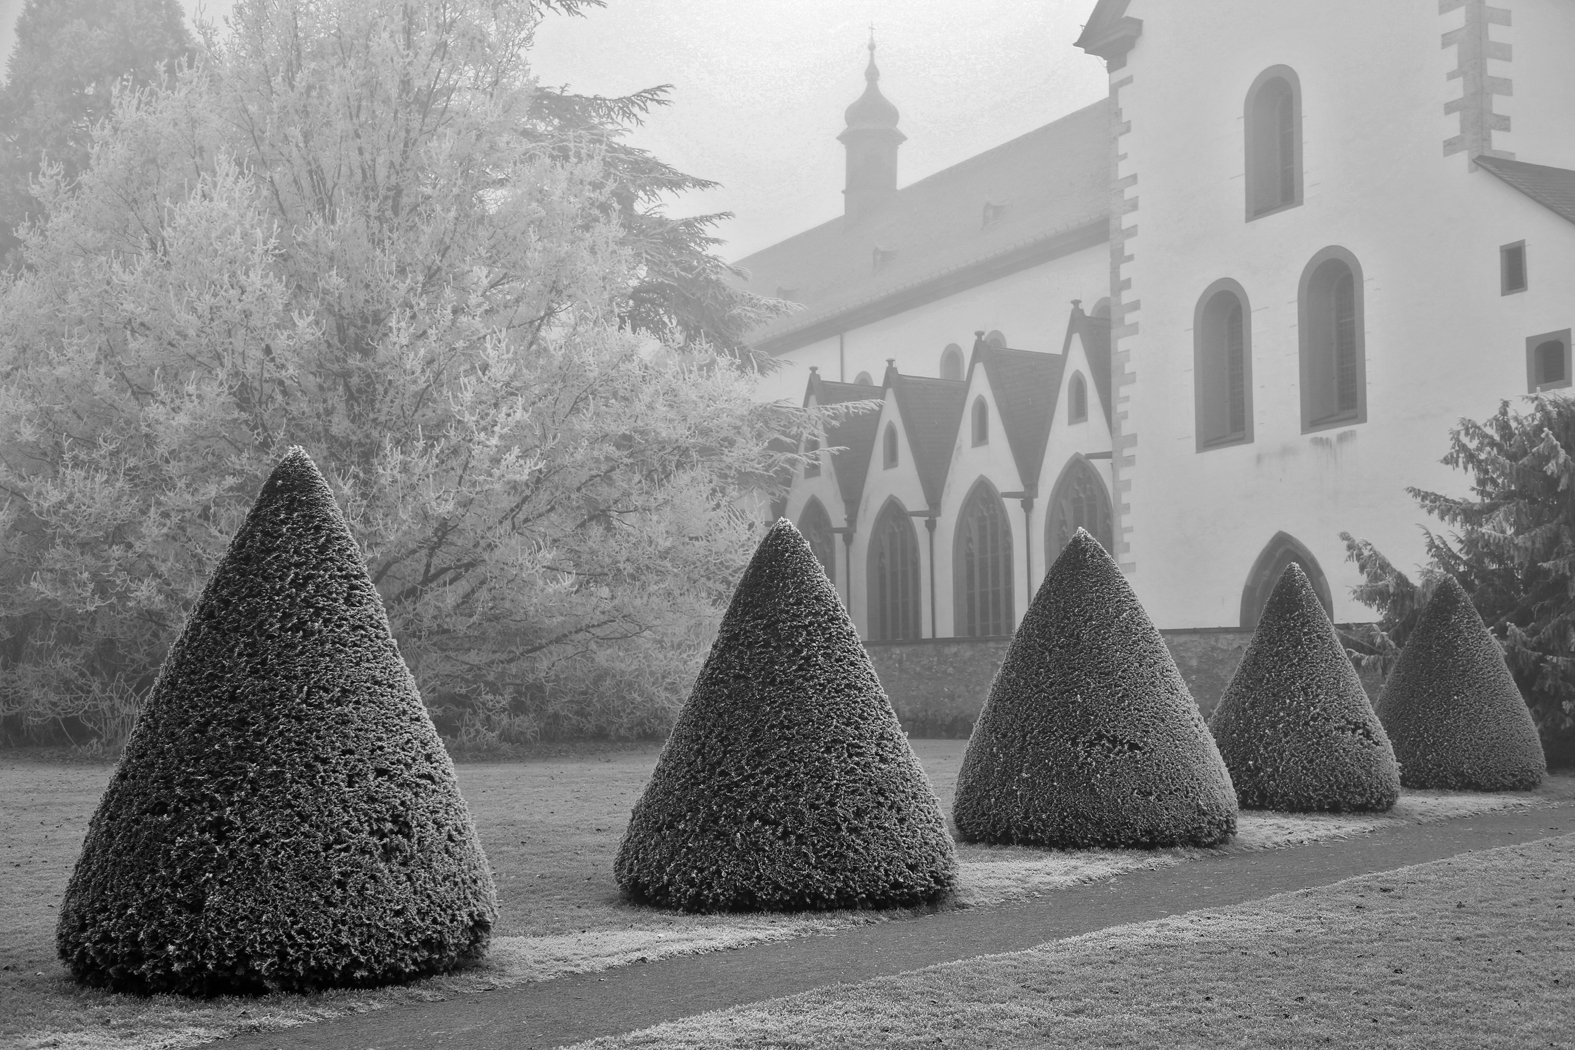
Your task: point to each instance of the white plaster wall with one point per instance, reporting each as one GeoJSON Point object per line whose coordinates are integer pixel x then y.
{"type": "Point", "coordinates": [1029, 307]}
{"type": "Point", "coordinates": [901, 481]}
{"type": "Point", "coordinates": [1441, 342]}
{"type": "Point", "coordinates": [992, 460]}
{"type": "Point", "coordinates": [1065, 441]}
{"type": "Point", "coordinates": [1541, 34]}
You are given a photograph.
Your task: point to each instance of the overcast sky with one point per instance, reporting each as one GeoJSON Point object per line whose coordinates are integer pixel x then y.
{"type": "Point", "coordinates": [759, 87]}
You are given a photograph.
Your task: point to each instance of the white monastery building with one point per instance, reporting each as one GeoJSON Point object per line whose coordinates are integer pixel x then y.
{"type": "Point", "coordinates": [1217, 319]}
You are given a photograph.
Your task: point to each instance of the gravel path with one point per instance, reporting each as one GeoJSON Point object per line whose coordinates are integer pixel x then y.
{"type": "Point", "coordinates": [569, 1009]}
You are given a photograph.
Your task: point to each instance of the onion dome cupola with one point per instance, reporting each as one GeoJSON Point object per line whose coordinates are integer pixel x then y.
{"type": "Point", "coordinates": [871, 139]}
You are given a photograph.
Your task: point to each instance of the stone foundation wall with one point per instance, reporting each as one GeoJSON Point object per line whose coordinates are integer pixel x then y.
{"type": "Point", "coordinates": [939, 685]}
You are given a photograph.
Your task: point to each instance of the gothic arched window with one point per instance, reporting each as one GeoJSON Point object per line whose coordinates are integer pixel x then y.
{"type": "Point", "coordinates": [1279, 552]}
{"type": "Point", "coordinates": [815, 524]}
{"type": "Point", "coordinates": [1079, 501]}
{"type": "Point", "coordinates": [888, 447]}
{"type": "Point", "coordinates": [983, 560]}
{"type": "Point", "coordinates": [1222, 365]}
{"type": "Point", "coordinates": [952, 362]}
{"type": "Point", "coordinates": [893, 576]}
{"type": "Point", "coordinates": [981, 422]}
{"type": "Point", "coordinates": [1077, 400]}
{"type": "Point", "coordinates": [1273, 121]}
{"type": "Point", "coordinates": [1332, 335]}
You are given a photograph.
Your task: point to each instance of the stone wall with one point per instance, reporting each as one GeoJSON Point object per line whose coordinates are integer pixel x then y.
{"type": "Point", "coordinates": [939, 685]}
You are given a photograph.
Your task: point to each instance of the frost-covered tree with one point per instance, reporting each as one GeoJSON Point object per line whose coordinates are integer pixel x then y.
{"type": "Point", "coordinates": [354, 226]}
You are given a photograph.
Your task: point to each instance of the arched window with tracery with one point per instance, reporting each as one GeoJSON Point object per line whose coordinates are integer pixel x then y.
{"type": "Point", "coordinates": [983, 561]}
{"type": "Point", "coordinates": [1078, 501]}
{"type": "Point", "coordinates": [952, 362]}
{"type": "Point", "coordinates": [981, 422]}
{"type": "Point", "coordinates": [1222, 365]}
{"type": "Point", "coordinates": [1273, 123]}
{"type": "Point", "coordinates": [1280, 551]}
{"type": "Point", "coordinates": [1077, 399]}
{"type": "Point", "coordinates": [888, 447]}
{"type": "Point", "coordinates": [1332, 337]}
{"type": "Point", "coordinates": [815, 524]}
{"type": "Point", "coordinates": [894, 608]}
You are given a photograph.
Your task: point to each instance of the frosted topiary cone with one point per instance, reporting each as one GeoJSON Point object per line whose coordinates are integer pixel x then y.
{"type": "Point", "coordinates": [1294, 725]}
{"type": "Point", "coordinates": [1089, 736]}
{"type": "Point", "coordinates": [284, 816]}
{"type": "Point", "coordinates": [1451, 706]}
{"type": "Point", "coordinates": [786, 783]}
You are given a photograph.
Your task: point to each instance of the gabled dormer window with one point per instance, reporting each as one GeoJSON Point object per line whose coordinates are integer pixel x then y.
{"type": "Point", "coordinates": [888, 451]}
{"type": "Point", "coordinates": [981, 422]}
{"type": "Point", "coordinates": [1273, 126]}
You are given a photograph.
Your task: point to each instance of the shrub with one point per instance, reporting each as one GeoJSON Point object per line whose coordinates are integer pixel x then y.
{"type": "Point", "coordinates": [1089, 736]}
{"type": "Point", "coordinates": [284, 816]}
{"type": "Point", "coordinates": [1294, 725]}
{"type": "Point", "coordinates": [786, 783]}
{"type": "Point", "coordinates": [1451, 707]}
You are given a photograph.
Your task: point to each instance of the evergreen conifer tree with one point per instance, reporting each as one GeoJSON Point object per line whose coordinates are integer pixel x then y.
{"type": "Point", "coordinates": [1089, 736]}
{"type": "Point", "coordinates": [786, 783]}
{"type": "Point", "coordinates": [1294, 725]}
{"type": "Point", "coordinates": [284, 816]}
{"type": "Point", "coordinates": [1451, 707]}
{"type": "Point", "coordinates": [68, 57]}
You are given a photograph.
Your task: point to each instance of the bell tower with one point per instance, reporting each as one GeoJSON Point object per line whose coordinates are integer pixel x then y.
{"type": "Point", "coordinates": [871, 139]}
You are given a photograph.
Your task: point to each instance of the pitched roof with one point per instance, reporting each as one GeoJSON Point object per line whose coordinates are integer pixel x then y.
{"type": "Point", "coordinates": [854, 432]}
{"type": "Point", "coordinates": [931, 411]}
{"type": "Point", "coordinates": [1025, 384]}
{"type": "Point", "coordinates": [1096, 344]}
{"type": "Point", "coordinates": [1553, 188]}
{"type": "Point", "coordinates": [1049, 193]}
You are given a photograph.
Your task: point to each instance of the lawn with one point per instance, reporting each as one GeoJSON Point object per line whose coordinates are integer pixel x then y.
{"type": "Point", "coordinates": [550, 827]}
{"type": "Point", "coordinates": [1465, 953]}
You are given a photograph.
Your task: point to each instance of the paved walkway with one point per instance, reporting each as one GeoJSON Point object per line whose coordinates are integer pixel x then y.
{"type": "Point", "coordinates": [569, 1009]}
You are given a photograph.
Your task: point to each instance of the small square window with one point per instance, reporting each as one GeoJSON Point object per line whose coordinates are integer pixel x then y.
{"type": "Point", "coordinates": [1548, 361]}
{"type": "Point", "coordinates": [1512, 268]}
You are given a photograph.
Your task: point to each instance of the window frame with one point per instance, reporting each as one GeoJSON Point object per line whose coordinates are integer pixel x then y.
{"type": "Point", "coordinates": [1000, 592]}
{"type": "Point", "coordinates": [889, 457]}
{"type": "Point", "coordinates": [814, 523]}
{"type": "Point", "coordinates": [1503, 268]}
{"type": "Point", "coordinates": [1078, 467]}
{"type": "Point", "coordinates": [1202, 368]}
{"type": "Point", "coordinates": [979, 421]}
{"type": "Point", "coordinates": [1250, 141]}
{"type": "Point", "coordinates": [953, 352]}
{"type": "Point", "coordinates": [907, 578]}
{"type": "Point", "coordinates": [1535, 343]}
{"type": "Point", "coordinates": [1077, 399]}
{"type": "Point", "coordinates": [1304, 337]}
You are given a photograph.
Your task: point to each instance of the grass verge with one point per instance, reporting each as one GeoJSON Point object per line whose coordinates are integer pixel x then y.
{"type": "Point", "coordinates": [551, 828]}
{"type": "Point", "coordinates": [1469, 952]}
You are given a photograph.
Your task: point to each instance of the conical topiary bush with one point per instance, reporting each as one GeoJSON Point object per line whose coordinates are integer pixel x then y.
{"type": "Point", "coordinates": [1294, 725]}
{"type": "Point", "coordinates": [284, 815]}
{"type": "Point", "coordinates": [1451, 707]}
{"type": "Point", "coordinates": [786, 782]}
{"type": "Point", "coordinates": [1089, 736]}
